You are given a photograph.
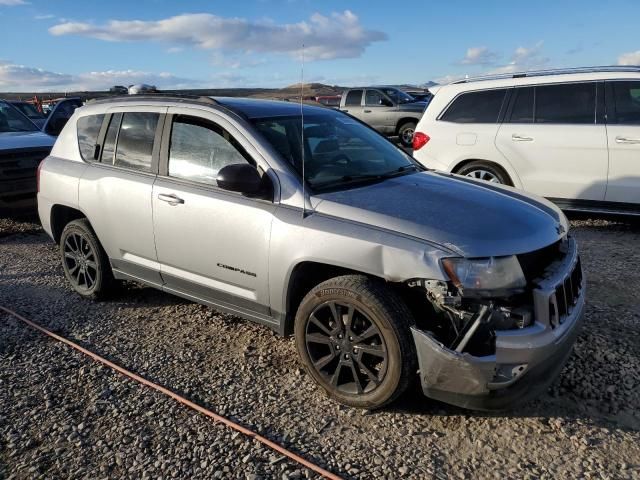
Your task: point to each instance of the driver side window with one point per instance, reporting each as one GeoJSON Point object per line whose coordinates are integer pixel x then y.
{"type": "Point", "coordinates": [199, 149]}
{"type": "Point", "coordinates": [374, 98]}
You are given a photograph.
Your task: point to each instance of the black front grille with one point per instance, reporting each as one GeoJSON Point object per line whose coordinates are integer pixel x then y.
{"type": "Point", "coordinates": [565, 296]}
{"type": "Point", "coordinates": [21, 164]}
{"type": "Point", "coordinates": [535, 263]}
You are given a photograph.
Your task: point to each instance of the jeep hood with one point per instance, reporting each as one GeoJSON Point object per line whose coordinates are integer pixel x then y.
{"type": "Point", "coordinates": [14, 140]}
{"type": "Point", "coordinates": [467, 217]}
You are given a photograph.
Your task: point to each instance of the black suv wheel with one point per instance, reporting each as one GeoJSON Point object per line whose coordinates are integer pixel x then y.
{"type": "Point", "coordinates": [353, 337]}
{"type": "Point", "coordinates": [84, 261]}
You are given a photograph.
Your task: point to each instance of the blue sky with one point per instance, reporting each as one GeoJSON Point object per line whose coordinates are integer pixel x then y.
{"type": "Point", "coordinates": [62, 44]}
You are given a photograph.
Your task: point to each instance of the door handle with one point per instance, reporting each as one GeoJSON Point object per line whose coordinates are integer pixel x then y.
{"type": "Point", "coordinates": [171, 199]}
{"type": "Point", "coordinates": [367, 111]}
{"type": "Point", "coordinates": [521, 138]}
{"type": "Point", "coordinates": [627, 140]}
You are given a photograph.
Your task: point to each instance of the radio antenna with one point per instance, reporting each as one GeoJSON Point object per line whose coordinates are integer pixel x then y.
{"type": "Point", "coordinates": [304, 180]}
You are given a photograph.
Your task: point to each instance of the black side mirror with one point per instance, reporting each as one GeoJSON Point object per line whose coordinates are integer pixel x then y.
{"type": "Point", "coordinates": [240, 177]}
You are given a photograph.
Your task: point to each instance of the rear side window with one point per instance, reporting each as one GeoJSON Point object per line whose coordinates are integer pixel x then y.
{"type": "Point", "coordinates": [627, 101]}
{"type": "Point", "coordinates": [199, 149]}
{"type": "Point", "coordinates": [135, 140]}
{"type": "Point", "coordinates": [88, 131]}
{"type": "Point", "coordinates": [476, 107]}
{"type": "Point", "coordinates": [354, 97]}
{"type": "Point", "coordinates": [567, 104]}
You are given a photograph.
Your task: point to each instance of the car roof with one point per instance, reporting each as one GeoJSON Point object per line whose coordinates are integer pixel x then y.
{"type": "Point", "coordinates": [248, 108]}
{"type": "Point", "coordinates": [258, 108]}
{"type": "Point", "coordinates": [544, 77]}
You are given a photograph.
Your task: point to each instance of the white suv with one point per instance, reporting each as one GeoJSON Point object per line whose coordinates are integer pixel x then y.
{"type": "Point", "coordinates": [572, 136]}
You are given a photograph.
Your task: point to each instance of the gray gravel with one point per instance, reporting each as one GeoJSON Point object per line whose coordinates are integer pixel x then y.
{"type": "Point", "coordinates": [63, 416]}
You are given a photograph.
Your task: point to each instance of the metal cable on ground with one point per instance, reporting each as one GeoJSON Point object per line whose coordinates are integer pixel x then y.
{"type": "Point", "coordinates": [229, 423]}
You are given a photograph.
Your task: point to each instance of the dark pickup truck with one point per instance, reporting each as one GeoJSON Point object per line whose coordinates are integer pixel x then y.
{"type": "Point", "coordinates": [22, 146]}
{"type": "Point", "coordinates": [389, 110]}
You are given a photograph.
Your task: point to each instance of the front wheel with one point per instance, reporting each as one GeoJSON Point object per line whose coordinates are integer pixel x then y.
{"type": "Point", "coordinates": [405, 133]}
{"type": "Point", "coordinates": [353, 336]}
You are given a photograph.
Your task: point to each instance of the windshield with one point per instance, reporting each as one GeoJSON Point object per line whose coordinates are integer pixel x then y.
{"type": "Point", "coordinates": [29, 110]}
{"type": "Point", "coordinates": [11, 120]}
{"type": "Point", "coordinates": [339, 152]}
{"type": "Point", "coordinates": [398, 96]}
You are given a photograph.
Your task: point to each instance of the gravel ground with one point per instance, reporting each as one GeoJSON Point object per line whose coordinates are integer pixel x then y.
{"type": "Point", "coordinates": [63, 416]}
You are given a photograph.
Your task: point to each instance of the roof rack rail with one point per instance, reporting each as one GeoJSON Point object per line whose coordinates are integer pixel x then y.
{"type": "Point", "coordinates": [155, 96]}
{"type": "Point", "coordinates": [555, 71]}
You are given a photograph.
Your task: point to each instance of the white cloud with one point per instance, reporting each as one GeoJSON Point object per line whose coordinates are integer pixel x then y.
{"type": "Point", "coordinates": [629, 58]}
{"type": "Point", "coordinates": [47, 16]}
{"type": "Point", "coordinates": [15, 77]}
{"type": "Point", "coordinates": [479, 56]}
{"type": "Point", "coordinates": [11, 3]}
{"type": "Point", "coordinates": [524, 55]}
{"type": "Point", "coordinates": [523, 59]}
{"type": "Point", "coordinates": [339, 35]}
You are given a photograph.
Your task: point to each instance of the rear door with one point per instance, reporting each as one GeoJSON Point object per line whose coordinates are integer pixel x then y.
{"type": "Point", "coordinates": [623, 135]}
{"type": "Point", "coordinates": [115, 191]}
{"type": "Point", "coordinates": [554, 139]}
{"type": "Point", "coordinates": [212, 244]}
{"type": "Point", "coordinates": [378, 111]}
{"type": "Point", "coordinates": [353, 103]}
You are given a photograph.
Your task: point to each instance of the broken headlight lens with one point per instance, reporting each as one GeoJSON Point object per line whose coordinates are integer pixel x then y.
{"type": "Point", "coordinates": [485, 276]}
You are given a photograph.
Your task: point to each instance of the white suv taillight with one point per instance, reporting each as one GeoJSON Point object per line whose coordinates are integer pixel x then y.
{"type": "Point", "coordinates": [420, 140]}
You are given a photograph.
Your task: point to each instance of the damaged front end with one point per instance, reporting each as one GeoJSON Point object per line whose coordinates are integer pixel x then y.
{"type": "Point", "coordinates": [487, 348]}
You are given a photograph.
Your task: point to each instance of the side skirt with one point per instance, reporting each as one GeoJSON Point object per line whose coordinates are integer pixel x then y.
{"type": "Point", "coordinates": [597, 206]}
{"type": "Point", "coordinates": [273, 323]}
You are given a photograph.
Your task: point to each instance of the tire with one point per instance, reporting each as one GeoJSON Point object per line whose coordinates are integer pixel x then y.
{"type": "Point", "coordinates": [354, 339]}
{"type": "Point", "coordinates": [487, 171]}
{"type": "Point", "coordinates": [80, 251]}
{"type": "Point", "coordinates": [405, 133]}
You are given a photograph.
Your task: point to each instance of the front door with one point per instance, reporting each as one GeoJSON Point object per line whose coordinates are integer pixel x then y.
{"type": "Point", "coordinates": [378, 111]}
{"type": "Point", "coordinates": [212, 244]}
{"type": "Point", "coordinates": [555, 143]}
{"type": "Point", "coordinates": [623, 134]}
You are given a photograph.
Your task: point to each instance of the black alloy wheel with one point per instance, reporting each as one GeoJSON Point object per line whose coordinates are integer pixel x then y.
{"type": "Point", "coordinates": [346, 348]}
{"type": "Point", "coordinates": [354, 339]}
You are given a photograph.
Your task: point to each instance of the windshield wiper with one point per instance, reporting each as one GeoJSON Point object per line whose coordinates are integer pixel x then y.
{"type": "Point", "coordinates": [365, 177]}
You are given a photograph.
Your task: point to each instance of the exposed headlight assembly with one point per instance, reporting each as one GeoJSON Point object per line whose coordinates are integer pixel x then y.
{"type": "Point", "coordinates": [485, 277]}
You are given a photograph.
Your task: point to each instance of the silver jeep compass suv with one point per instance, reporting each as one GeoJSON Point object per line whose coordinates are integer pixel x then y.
{"type": "Point", "coordinates": [311, 223]}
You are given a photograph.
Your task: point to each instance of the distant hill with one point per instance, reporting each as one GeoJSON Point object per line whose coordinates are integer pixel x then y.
{"type": "Point", "coordinates": [290, 92]}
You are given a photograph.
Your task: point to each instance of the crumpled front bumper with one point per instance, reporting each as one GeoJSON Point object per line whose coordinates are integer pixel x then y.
{"type": "Point", "coordinates": [526, 360]}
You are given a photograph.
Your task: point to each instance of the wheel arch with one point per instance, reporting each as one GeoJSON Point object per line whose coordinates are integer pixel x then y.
{"type": "Point", "coordinates": [404, 120]}
{"type": "Point", "coordinates": [303, 277]}
{"type": "Point", "coordinates": [511, 174]}
{"type": "Point", "coordinates": [61, 215]}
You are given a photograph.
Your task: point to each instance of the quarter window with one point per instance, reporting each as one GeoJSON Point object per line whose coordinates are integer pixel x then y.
{"type": "Point", "coordinates": [199, 149]}
{"type": "Point", "coordinates": [135, 140]}
{"type": "Point", "coordinates": [88, 131]}
{"type": "Point", "coordinates": [109, 147]}
{"type": "Point", "coordinates": [567, 103]}
{"type": "Point", "coordinates": [523, 106]}
{"type": "Point", "coordinates": [354, 97]}
{"type": "Point", "coordinates": [476, 107]}
{"type": "Point", "coordinates": [627, 99]}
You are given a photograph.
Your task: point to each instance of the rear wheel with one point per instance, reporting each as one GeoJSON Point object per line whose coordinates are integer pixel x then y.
{"type": "Point", "coordinates": [405, 133]}
{"type": "Point", "coordinates": [353, 337]}
{"type": "Point", "coordinates": [84, 261]}
{"type": "Point", "coordinates": [487, 171]}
